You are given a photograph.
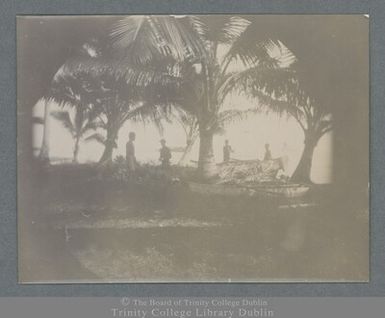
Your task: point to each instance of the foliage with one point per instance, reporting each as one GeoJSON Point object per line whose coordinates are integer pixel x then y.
{"type": "Point", "coordinates": [191, 50]}
{"type": "Point", "coordinates": [82, 123]}
{"type": "Point", "coordinates": [186, 66]}
{"type": "Point", "coordinates": [284, 92]}
{"type": "Point", "coordinates": [147, 175]}
{"type": "Point", "coordinates": [119, 170]}
{"type": "Point", "coordinates": [111, 99]}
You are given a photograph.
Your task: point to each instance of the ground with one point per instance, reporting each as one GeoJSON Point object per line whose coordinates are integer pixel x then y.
{"type": "Point", "coordinates": [80, 225]}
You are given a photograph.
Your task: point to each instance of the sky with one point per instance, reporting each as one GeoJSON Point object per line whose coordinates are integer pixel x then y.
{"type": "Point", "coordinates": [246, 137]}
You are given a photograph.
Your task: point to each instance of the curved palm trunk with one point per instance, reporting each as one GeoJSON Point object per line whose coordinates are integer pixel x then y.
{"type": "Point", "coordinates": [109, 146]}
{"type": "Point", "coordinates": [303, 170]}
{"type": "Point", "coordinates": [76, 150]}
{"type": "Point", "coordinates": [108, 150]}
{"type": "Point", "coordinates": [206, 163]}
{"type": "Point", "coordinates": [107, 153]}
{"type": "Point", "coordinates": [44, 150]}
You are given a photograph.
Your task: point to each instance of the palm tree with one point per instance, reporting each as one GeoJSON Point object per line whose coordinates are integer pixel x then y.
{"type": "Point", "coordinates": [332, 72]}
{"type": "Point", "coordinates": [290, 92]}
{"type": "Point", "coordinates": [310, 38]}
{"type": "Point", "coordinates": [77, 92]}
{"type": "Point", "coordinates": [114, 105]}
{"type": "Point", "coordinates": [117, 102]}
{"type": "Point", "coordinates": [201, 52]}
{"type": "Point", "coordinates": [44, 44]}
{"type": "Point", "coordinates": [85, 82]}
{"type": "Point", "coordinates": [83, 122]}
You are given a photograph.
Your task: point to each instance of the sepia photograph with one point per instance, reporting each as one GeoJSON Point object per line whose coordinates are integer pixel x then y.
{"type": "Point", "coordinates": [193, 148]}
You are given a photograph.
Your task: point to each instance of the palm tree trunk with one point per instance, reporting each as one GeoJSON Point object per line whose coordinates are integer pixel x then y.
{"type": "Point", "coordinates": [76, 150]}
{"type": "Point", "coordinates": [109, 146]}
{"type": "Point", "coordinates": [206, 161]}
{"type": "Point", "coordinates": [107, 153]}
{"type": "Point", "coordinates": [44, 150]}
{"type": "Point", "coordinates": [303, 170]}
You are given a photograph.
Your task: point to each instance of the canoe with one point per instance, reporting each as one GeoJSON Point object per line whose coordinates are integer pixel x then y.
{"type": "Point", "coordinates": [275, 191]}
{"type": "Point", "coordinates": [284, 190]}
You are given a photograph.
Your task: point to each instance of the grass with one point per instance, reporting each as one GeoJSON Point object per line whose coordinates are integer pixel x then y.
{"type": "Point", "coordinates": [84, 226]}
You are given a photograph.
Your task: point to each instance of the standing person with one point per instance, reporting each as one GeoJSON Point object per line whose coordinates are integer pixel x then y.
{"type": "Point", "coordinates": [267, 153]}
{"type": "Point", "coordinates": [227, 150]}
{"type": "Point", "coordinates": [130, 152]}
{"type": "Point", "coordinates": [165, 154]}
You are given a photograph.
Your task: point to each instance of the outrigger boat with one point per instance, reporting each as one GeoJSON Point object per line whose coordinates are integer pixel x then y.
{"type": "Point", "coordinates": [253, 178]}
{"type": "Point", "coordinates": [289, 190]}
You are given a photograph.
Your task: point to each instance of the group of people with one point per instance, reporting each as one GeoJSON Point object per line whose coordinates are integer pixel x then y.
{"type": "Point", "coordinates": [165, 153]}
{"type": "Point", "coordinates": [227, 150]}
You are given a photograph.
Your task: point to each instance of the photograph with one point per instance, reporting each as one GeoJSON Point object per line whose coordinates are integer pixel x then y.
{"type": "Point", "coordinates": [193, 148]}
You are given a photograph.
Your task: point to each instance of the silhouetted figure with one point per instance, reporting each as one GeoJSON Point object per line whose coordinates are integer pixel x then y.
{"type": "Point", "coordinates": [165, 154]}
{"type": "Point", "coordinates": [130, 152]}
{"type": "Point", "coordinates": [227, 150]}
{"type": "Point", "coordinates": [267, 153]}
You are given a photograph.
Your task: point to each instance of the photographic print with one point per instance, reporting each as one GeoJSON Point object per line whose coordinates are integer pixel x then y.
{"type": "Point", "coordinates": [193, 148]}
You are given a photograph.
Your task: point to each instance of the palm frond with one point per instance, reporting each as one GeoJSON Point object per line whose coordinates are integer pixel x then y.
{"type": "Point", "coordinates": [182, 39]}
{"type": "Point", "coordinates": [281, 107]}
{"type": "Point", "coordinates": [138, 38]}
{"type": "Point", "coordinates": [38, 120]}
{"type": "Point", "coordinates": [187, 121]}
{"type": "Point", "coordinates": [284, 56]}
{"type": "Point", "coordinates": [277, 82]}
{"type": "Point", "coordinates": [65, 120]}
{"type": "Point", "coordinates": [96, 137]}
{"type": "Point", "coordinates": [252, 47]}
{"type": "Point", "coordinates": [225, 84]}
{"type": "Point", "coordinates": [220, 29]}
{"type": "Point", "coordinates": [149, 113]}
{"type": "Point", "coordinates": [147, 38]}
{"type": "Point", "coordinates": [91, 125]}
{"type": "Point", "coordinates": [233, 115]}
{"type": "Point", "coordinates": [125, 32]}
{"type": "Point", "coordinates": [119, 73]}
{"type": "Point", "coordinates": [73, 88]}
{"type": "Point", "coordinates": [324, 126]}
{"type": "Point", "coordinates": [183, 116]}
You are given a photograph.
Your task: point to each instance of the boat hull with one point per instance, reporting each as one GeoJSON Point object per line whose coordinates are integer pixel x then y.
{"type": "Point", "coordinates": [274, 191]}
